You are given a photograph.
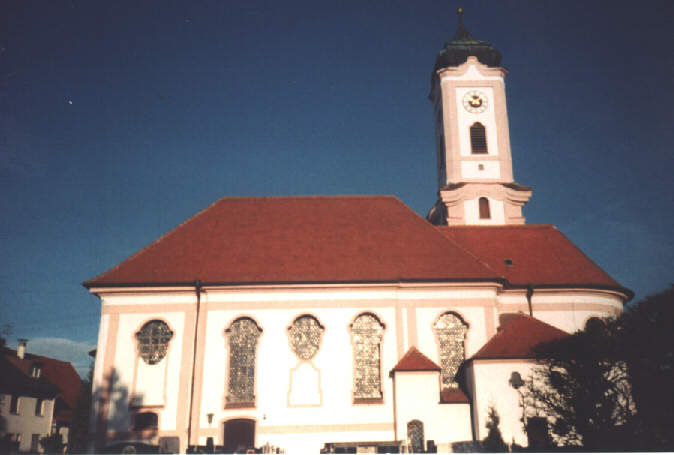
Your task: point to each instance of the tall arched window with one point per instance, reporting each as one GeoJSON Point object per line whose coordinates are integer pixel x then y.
{"type": "Point", "coordinates": [153, 339]}
{"type": "Point", "coordinates": [485, 212]}
{"type": "Point", "coordinates": [415, 436]}
{"type": "Point", "coordinates": [242, 336]}
{"type": "Point", "coordinates": [367, 332]}
{"type": "Point", "coordinates": [450, 332]}
{"type": "Point", "coordinates": [478, 139]}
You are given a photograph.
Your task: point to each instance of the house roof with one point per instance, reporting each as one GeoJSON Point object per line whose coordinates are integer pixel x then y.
{"type": "Point", "coordinates": [530, 255]}
{"type": "Point", "coordinates": [414, 360]}
{"type": "Point", "coordinates": [299, 239]}
{"type": "Point", "coordinates": [517, 337]}
{"type": "Point", "coordinates": [57, 379]}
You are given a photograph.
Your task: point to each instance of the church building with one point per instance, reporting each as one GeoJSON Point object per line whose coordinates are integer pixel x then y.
{"type": "Point", "coordinates": [348, 323]}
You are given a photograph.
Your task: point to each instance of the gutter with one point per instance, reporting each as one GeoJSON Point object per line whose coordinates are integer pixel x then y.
{"type": "Point", "coordinates": [197, 289]}
{"type": "Point", "coordinates": [530, 293]}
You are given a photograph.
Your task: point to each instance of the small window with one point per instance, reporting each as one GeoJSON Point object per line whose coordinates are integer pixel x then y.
{"type": "Point", "coordinates": [34, 442]}
{"type": "Point", "coordinates": [14, 404]}
{"type": "Point", "coordinates": [39, 407]}
{"type": "Point", "coordinates": [36, 370]}
{"type": "Point", "coordinates": [478, 139]}
{"type": "Point", "coordinates": [485, 213]}
{"type": "Point", "coordinates": [145, 421]}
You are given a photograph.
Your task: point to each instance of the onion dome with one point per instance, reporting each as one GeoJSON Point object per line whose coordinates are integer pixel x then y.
{"type": "Point", "coordinates": [462, 46]}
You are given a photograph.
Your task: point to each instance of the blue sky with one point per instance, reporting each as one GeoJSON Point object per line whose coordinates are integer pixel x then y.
{"type": "Point", "coordinates": [119, 120]}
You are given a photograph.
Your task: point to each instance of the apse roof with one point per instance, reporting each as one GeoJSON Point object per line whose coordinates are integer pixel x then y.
{"type": "Point", "coordinates": [537, 254]}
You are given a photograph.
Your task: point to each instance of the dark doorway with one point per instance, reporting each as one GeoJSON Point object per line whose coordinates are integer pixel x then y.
{"type": "Point", "coordinates": [239, 435]}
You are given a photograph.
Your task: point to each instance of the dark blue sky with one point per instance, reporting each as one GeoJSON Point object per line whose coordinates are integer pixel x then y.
{"type": "Point", "coordinates": [119, 120]}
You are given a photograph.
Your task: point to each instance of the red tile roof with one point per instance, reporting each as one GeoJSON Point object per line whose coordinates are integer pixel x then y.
{"type": "Point", "coordinates": [414, 360]}
{"type": "Point", "coordinates": [55, 373]}
{"type": "Point", "coordinates": [517, 338]}
{"type": "Point", "coordinates": [299, 239]}
{"type": "Point", "coordinates": [319, 239]}
{"type": "Point", "coordinates": [530, 255]}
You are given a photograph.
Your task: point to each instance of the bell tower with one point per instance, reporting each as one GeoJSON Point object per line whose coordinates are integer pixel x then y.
{"type": "Point", "coordinates": [475, 173]}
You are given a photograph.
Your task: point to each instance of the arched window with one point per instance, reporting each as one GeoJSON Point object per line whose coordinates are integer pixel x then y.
{"type": "Point", "coordinates": [305, 336]}
{"type": "Point", "coordinates": [450, 332]}
{"type": "Point", "coordinates": [415, 436]}
{"type": "Point", "coordinates": [366, 333]}
{"type": "Point", "coordinates": [478, 139]}
{"type": "Point", "coordinates": [153, 339]}
{"type": "Point", "coordinates": [485, 213]}
{"type": "Point", "coordinates": [242, 337]}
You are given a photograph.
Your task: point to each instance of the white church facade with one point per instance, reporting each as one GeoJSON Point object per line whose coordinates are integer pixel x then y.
{"type": "Point", "coordinates": [348, 323]}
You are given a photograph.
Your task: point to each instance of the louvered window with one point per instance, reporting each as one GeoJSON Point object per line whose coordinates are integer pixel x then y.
{"type": "Point", "coordinates": [485, 213]}
{"type": "Point", "coordinates": [478, 139]}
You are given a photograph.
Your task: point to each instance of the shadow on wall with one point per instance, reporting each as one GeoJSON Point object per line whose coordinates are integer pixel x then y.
{"type": "Point", "coordinates": [112, 401]}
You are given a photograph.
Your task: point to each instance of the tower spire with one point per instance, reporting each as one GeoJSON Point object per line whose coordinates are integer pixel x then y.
{"type": "Point", "coordinates": [462, 33]}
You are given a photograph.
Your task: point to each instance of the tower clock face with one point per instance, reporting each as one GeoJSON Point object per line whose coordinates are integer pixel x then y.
{"type": "Point", "coordinates": [475, 101]}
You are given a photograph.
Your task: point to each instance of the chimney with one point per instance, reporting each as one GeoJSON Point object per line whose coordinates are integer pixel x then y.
{"type": "Point", "coordinates": [21, 350]}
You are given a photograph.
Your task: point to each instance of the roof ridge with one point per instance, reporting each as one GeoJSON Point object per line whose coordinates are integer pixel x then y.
{"type": "Point", "coordinates": [432, 228]}
{"type": "Point", "coordinates": [474, 256]}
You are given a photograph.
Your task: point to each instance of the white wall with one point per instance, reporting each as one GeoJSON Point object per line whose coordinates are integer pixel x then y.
{"type": "Point", "coordinates": [418, 398]}
{"type": "Point", "coordinates": [25, 422]}
{"type": "Point", "coordinates": [491, 388]}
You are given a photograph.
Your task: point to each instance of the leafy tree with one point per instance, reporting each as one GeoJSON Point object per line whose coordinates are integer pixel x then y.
{"type": "Point", "coordinates": [79, 427]}
{"type": "Point", "coordinates": [609, 386]}
{"type": "Point", "coordinates": [494, 440]}
{"type": "Point", "coordinates": [647, 334]}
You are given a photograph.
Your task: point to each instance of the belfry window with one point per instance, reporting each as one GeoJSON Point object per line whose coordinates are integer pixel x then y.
{"type": "Point", "coordinates": [153, 339]}
{"type": "Point", "coordinates": [478, 139]}
{"type": "Point", "coordinates": [242, 337]}
{"type": "Point", "coordinates": [485, 213]}
{"type": "Point", "coordinates": [450, 332]}
{"type": "Point", "coordinates": [366, 336]}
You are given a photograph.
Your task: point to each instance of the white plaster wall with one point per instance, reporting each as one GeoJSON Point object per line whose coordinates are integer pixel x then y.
{"type": "Point", "coordinates": [496, 209]}
{"type": "Point", "coordinates": [471, 170]}
{"type": "Point", "coordinates": [493, 389]}
{"type": "Point", "coordinates": [125, 362]}
{"type": "Point", "coordinates": [443, 423]}
{"type": "Point", "coordinates": [277, 419]}
{"type": "Point", "coordinates": [97, 379]}
{"type": "Point", "coordinates": [570, 311]}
